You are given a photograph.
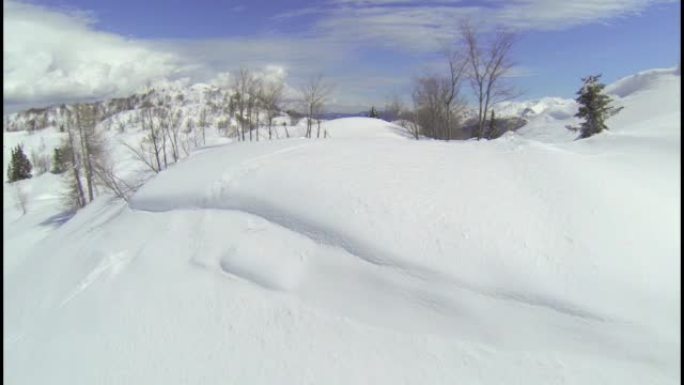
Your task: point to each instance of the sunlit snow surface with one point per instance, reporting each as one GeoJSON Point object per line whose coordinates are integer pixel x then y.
{"type": "Point", "coordinates": [366, 257]}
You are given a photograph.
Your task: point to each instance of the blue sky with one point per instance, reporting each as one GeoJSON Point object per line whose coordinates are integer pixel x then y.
{"type": "Point", "coordinates": [370, 49]}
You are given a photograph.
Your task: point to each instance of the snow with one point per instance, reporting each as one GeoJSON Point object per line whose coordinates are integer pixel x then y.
{"type": "Point", "coordinates": [367, 257]}
{"type": "Point", "coordinates": [642, 81]}
{"type": "Point", "coordinates": [362, 128]}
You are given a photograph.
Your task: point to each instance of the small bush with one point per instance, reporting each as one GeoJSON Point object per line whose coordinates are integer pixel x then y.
{"type": "Point", "coordinates": [40, 161]}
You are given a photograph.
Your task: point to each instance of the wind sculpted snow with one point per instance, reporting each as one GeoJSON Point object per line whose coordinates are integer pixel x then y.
{"type": "Point", "coordinates": [370, 257]}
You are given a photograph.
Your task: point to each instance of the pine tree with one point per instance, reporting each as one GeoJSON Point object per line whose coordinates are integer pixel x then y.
{"type": "Point", "coordinates": [373, 113]}
{"type": "Point", "coordinates": [20, 166]}
{"type": "Point", "coordinates": [595, 107]}
{"type": "Point", "coordinates": [59, 162]}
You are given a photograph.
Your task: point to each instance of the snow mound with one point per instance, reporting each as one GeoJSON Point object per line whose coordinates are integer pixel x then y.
{"type": "Point", "coordinates": [650, 99]}
{"type": "Point", "coordinates": [358, 127]}
{"type": "Point", "coordinates": [641, 81]}
{"type": "Point", "coordinates": [527, 259]}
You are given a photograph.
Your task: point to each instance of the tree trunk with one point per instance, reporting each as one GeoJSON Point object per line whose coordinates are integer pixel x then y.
{"type": "Point", "coordinates": [82, 120]}
{"type": "Point", "coordinates": [166, 163]}
{"type": "Point", "coordinates": [249, 122]}
{"type": "Point", "coordinates": [77, 176]}
{"type": "Point", "coordinates": [155, 144]}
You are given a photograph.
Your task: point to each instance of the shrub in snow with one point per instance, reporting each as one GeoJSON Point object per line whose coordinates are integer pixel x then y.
{"type": "Point", "coordinates": [373, 113]}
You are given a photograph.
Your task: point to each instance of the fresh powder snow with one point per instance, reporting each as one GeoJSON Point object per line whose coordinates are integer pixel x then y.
{"type": "Point", "coordinates": [364, 257]}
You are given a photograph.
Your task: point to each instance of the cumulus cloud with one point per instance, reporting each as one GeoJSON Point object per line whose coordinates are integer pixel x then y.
{"type": "Point", "coordinates": [51, 55]}
{"type": "Point", "coordinates": [299, 56]}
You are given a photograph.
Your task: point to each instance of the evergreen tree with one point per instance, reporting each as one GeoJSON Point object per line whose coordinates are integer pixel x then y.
{"type": "Point", "coordinates": [595, 107]}
{"type": "Point", "coordinates": [59, 161]}
{"type": "Point", "coordinates": [373, 113]}
{"type": "Point", "coordinates": [20, 166]}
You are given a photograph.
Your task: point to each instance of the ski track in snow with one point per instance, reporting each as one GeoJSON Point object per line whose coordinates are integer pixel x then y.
{"type": "Point", "coordinates": [111, 264]}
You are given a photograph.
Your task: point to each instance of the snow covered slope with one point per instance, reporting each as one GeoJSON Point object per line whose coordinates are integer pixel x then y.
{"type": "Point", "coordinates": [548, 117]}
{"type": "Point", "coordinates": [369, 258]}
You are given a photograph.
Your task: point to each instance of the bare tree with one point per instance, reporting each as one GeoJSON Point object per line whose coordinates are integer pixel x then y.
{"type": "Point", "coordinates": [75, 197]}
{"type": "Point", "coordinates": [103, 170]}
{"type": "Point", "coordinates": [487, 65]}
{"type": "Point", "coordinates": [238, 110]}
{"type": "Point", "coordinates": [171, 126]}
{"type": "Point", "coordinates": [450, 90]}
{"type": "Point", "coordinates": [40, 159]}
{"type": "Point", "coordinates": [254, 107]}
{"type": "Point", "coordinates": [107, 178]}
{"type": "Point", "coordinates": [91, 146]}
{"type": "Point", "coordinates": [428, 107]}
{"type": "Point", "coordinates": [141, 153]}
{"type": "Point", "coordinates": [202, 123]}
{"type": "Point", "coordinates": [245, 85]}
{"type": "Point", "coordinates": [313, 95]}
{"type": "Point", "coordinates": [271, 96]}
{"type": "Point", "coordinates": [394, 108]}
{"type": "Point", "coordinates": [287, 133]}
{"type": "Point", "coordinates": [161, 116]}
{"type": "Point", "coordinates": [149, 150]}
{"type": "Point", "coordinates": [437, 107]}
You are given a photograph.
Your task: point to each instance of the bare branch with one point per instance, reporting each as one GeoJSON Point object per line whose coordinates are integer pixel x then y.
{"type": "Point", "coordinates": [314, 94]}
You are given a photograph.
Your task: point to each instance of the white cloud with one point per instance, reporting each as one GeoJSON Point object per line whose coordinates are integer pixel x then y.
{"type": "Point", "coordinates": [423, 25]}
{"type": "Point", "coordinates": [54, 56]}
{"type": "Point", "coordinates": [415, 28]}
{"type": "Point", "coordinates": [51, 55]}
{"type": "Point", "coordinates": [292, 60]}
{"type": "Point", "coordinates": [560, 14]}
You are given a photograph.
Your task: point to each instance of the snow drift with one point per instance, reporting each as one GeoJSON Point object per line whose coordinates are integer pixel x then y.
{"type": "Point", "coordinates": [369, 257]}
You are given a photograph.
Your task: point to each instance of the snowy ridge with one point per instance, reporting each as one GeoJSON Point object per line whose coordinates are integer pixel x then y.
{"type": "Point", "coordinates": [642, 81]}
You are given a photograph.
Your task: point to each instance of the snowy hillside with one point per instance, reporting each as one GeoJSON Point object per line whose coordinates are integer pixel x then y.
{"type": "Point", "coordinates": [548, 117]}
{"type": "Point", "coordinates": [366, 257]}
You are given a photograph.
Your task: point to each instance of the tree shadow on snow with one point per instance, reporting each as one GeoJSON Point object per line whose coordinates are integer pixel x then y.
{"type": "Point", "coordinates": [58, 219]}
